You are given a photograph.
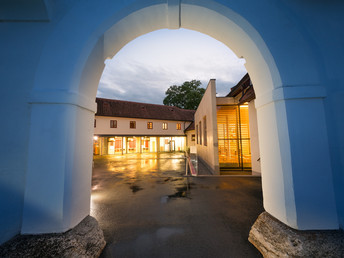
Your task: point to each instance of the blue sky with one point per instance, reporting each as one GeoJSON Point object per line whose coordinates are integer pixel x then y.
{"type": "Point", "coordinates": [144, 69]}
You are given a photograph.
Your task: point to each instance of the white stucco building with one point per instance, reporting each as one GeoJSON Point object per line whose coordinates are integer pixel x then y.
{"type": "Point", "coordinates": [191, 138]}
{"type": "Point", "coordinates": [122, 127]}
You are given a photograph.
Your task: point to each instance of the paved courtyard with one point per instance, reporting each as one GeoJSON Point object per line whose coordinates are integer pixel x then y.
{"type": "Point", "coordinates": [148, 208]}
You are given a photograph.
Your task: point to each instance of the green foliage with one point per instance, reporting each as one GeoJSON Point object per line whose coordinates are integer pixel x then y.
{"type": "Point", "coordinates": [187, 96]}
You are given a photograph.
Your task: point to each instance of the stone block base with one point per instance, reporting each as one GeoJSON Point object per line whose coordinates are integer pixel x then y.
{"type": "Point", "coordinates": [274, 239]}
{"type": "Point", "coordinates": [84, 240]}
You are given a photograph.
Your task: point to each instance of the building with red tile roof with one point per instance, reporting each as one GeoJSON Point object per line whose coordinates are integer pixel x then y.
{"type": "Point", "coordinates": [132, 127]}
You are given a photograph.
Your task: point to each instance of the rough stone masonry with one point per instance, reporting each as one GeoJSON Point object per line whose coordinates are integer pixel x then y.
{"type": "Point", "coordinates": [84, 240]}
{"type": "Point", "coordinates": [274, 239]}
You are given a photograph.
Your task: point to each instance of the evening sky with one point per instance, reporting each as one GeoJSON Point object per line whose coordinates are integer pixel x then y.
{"type": "Point", "coordinates": [144, 68]}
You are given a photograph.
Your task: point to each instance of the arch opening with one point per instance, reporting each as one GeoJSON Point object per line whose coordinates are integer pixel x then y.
{"type": "Point", "coordinates": [234, 32]}
{"type": "Point", "coordinates": [221, 24]}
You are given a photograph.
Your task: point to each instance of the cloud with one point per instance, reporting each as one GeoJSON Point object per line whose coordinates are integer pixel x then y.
{"type": "Point", "coordinates": [144, 69]}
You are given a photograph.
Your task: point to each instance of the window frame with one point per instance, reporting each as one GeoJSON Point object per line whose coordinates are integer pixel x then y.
{"type": "Point", "coordinates": [179, 126]}
{"type": "Point", "coordinates": [132, 123]}
{"type": "Point", "coordinates": [200, 132]}
{"type": "Point", "coordinates": [149, 125]}
{"type": "Point", "coordinates": [205, 140]}
{"type": "Point", "coordinates": [197, 134]}
{"type": "Point", "coordinates": [113, 123]}
{"type": "Point", "coordinates": [164, 126]}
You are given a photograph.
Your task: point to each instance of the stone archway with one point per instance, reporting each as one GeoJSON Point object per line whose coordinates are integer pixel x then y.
{"type": "Point", "coordinates": [291, 115]}
{"type": "Point", "coordinates": [74, 102]}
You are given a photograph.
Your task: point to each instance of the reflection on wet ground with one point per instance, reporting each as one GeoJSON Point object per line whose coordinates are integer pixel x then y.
{"type": "Point", "coordinates": [148, 208]}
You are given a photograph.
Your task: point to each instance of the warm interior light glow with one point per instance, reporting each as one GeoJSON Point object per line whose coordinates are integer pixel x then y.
{"type": "Point", "coordinates": [95, 138]}
{"type": "Point", "coordinates": [233, 136]}
{"type": "Point", "coordinates": [146, 144]}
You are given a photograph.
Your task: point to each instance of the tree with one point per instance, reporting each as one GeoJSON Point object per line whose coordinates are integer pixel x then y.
{"type": "Point", "coordinates": [186, 96]}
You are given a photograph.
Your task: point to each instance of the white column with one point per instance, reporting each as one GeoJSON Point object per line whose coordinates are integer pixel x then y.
{"type": "Point", "coordinates": [296, 169]}
{"type": "Point", "coordinates": [255, 155]}
{"type": "Point", "coordinates": [59, 170]}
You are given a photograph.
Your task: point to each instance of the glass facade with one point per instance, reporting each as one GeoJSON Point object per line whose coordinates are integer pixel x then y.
{"type": "Point", "coordinates": [133, 144]}
{"type": "Point", "coordinates": [233, 137]}
{"type": "Point", "coordinates": [115, 145]}
{"type": "Point", "coordinates": [110, 145]}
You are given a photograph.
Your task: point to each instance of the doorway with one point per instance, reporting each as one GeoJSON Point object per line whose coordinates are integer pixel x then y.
{"type": "Point", "coordinates": [234, 137]}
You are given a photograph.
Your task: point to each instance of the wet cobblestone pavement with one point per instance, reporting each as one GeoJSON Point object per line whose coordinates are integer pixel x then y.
{"type": "Point", "coordinates": [148, 208]}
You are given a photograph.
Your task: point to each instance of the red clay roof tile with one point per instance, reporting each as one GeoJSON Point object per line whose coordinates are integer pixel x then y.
{"type": "Point", "coordinates": [121, 108]}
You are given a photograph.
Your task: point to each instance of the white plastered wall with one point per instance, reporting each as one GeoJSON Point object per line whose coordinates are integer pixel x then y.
{"type": "Point", "coordinates": [189, 142]}
{"type": "Point", "coordinates": [255, 154]}
{"type": "Point", "coordinates": [103, 126]}
{"type": "Point", "coordinates": [207, 108]}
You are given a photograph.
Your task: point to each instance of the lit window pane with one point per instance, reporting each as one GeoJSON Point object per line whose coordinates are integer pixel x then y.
{"type": "Point", "coordinates": [233, 136]}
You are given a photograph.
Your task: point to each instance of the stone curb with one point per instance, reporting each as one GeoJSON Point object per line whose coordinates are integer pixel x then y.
{"type": "Point", "coordinates": [274, 239]}
{"type": "Point", "coordinates": [84, 240]}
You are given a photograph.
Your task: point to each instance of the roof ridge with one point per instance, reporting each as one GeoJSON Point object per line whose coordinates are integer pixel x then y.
{"type": "Point", "coordinates": [142, 103]}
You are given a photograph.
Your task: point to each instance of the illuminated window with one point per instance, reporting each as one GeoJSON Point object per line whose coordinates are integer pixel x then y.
{"type": "Point", "coordinates": [205, 131]}
{"type": "Point", "coordinates": [233, 137]}
{"type": "Point", "coordinates": [197, 134]}
{"type": "Point", "coordinates": [193, 137]}
{"type": "Point", "coordinates": [113, 123]}
{"type": "Point", "coordinates": [179, 126]}
{"type": "Point", "coordinates": [132, 124]}
{"type": "Point", "coordinates": [95, 123]}
{"type": "Point", "coordinates": [149, 125]}
{"type": "Point", "coordinates": [200, 132]}
{"type": "Point", "coordinates": [164, 126]}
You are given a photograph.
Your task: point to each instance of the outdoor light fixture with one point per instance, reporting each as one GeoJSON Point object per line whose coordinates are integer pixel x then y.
{"type": "Point", "coordinates": [95, 138]}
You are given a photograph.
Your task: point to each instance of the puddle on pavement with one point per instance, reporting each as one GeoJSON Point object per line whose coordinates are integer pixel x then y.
{"type": "Point", "coordinates": [135, 188]}
{"type": "Point", "coordinates": [169, 179]}
{"type": "Point", "coordinates": [179, 194]}
{"type": "Point", "coordinates": [182, 191]}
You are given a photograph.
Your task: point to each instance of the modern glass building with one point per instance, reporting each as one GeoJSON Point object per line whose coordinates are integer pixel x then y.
{"type": "Point", "coordinates": [227, 131]}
